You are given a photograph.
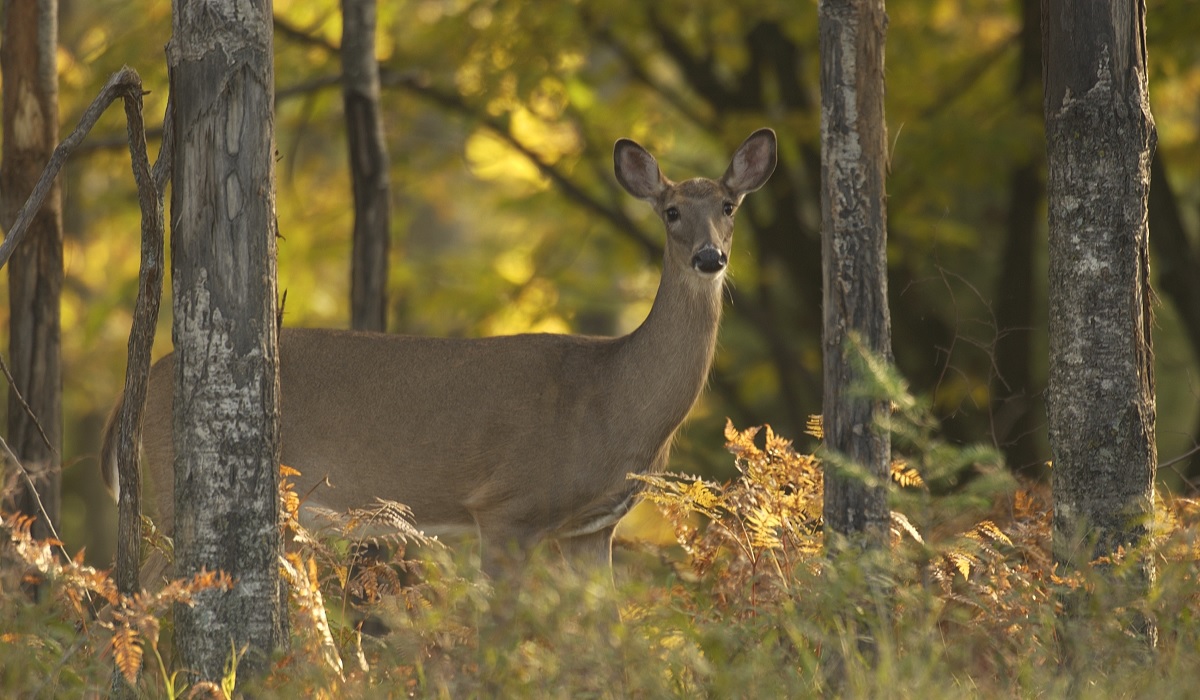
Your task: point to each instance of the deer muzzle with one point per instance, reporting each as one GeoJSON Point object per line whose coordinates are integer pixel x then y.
{"type": "Point", "coordinates": [709, 260]}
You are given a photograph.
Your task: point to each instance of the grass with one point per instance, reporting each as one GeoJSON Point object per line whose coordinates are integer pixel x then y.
{"type": "Point", "coordinates": [747, 604]}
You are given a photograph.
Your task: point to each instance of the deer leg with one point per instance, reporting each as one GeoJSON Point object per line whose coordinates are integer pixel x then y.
{"type": "Point", "coordinates": [591, 555]}
{"type": "Point", "coordinates": [503, 549]}
{"type": "Point", "coordinates": [586, 553]}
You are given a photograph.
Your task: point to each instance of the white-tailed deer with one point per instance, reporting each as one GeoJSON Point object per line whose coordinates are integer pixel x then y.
{"type": "Point", "coordinates": [523, 437]}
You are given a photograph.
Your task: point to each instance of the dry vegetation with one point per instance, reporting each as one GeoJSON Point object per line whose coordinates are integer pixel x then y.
{"type": "Point", "coordinates": [749, 604]}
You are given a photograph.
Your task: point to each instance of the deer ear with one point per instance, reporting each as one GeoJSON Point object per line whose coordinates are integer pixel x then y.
{"type": "Point", "coordinates": [637, 171]}
{"type": "Point", "coordinates": [752, 163]}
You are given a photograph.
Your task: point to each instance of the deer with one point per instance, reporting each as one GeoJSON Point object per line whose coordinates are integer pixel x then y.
{"type": "Point", "coordinates": [521, 438]}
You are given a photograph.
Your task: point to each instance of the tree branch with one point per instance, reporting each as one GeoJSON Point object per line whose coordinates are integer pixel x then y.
{"type": "Point", "coordinates": [115, 88]}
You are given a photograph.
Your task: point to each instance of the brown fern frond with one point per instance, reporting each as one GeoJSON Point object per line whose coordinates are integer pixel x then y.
{"type": "Point", "coordinates": [987, 529]}
{"type": "Point", "coordinates": [394, 518]}
{"type": "Point", "coordinates": [126, 647]}
{"type": "Point", "coordinates": [906, 476]}
{"type": "Point", "coordinates": [741, 442]}
{"type": "Point", "coordinates": [960, 561]}
{"type": "Point", "coordinates": [902, 526]}
{"type": "Point", "coordinates": [304, 591]}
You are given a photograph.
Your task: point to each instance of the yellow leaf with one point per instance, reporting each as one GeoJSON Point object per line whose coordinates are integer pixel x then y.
{"type": "Point", "coordinates": [815, 426]}
{"type": "Point", "coordinates": [989, 529]}
{"type": "Point", "coordinates": [960, 561]}
{"type": "Point", "coordinates": [905, 475]}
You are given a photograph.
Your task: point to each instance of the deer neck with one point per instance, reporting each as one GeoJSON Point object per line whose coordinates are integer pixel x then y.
{"type": "Point", "coordinates": [665, 362]}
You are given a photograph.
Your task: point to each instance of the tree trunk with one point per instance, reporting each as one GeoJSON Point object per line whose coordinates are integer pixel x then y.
{"type": "Point", "coordinates": [854, 223]}
{"type": "Point", "coordinates": [1177, 261]}
{"type": "Point", "coordinates": [1017, 418]}
{"type": "Point", "coordinates": [226, 411]}
{"type": "Point", "coordinates": [35, 274]}
{"type": "Point", "coordinates": [1099, 140]}
{"type": "Point", "coordinates": [368, 167]}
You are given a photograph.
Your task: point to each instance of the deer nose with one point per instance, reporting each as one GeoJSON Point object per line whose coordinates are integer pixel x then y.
{"type": "Point", "coordinates": [710, 260]}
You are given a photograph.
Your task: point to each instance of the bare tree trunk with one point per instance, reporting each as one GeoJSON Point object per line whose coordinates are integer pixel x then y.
{"type": "Point", "coordinates": [226, 410]}
{"type": "Point", "coordinates": [1016, 409]}
{"type": "Point", "coordinates": [368, 167]}
{"type": "Point", "coordinates": [854, 223]}
{"type": "Point", "coordinates": [1177, 260]}
{"type": "Point", "coordinates": [30, 83]}
{"type": "Point", "coordinates": [1100, 138]}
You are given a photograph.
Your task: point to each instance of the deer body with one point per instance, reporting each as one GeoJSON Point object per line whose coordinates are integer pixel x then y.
{"type": "Point", "coordinates": [523, 437]}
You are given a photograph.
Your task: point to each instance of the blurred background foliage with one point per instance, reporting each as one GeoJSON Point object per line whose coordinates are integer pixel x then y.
{"type": "Point", "coordinates": [500, 118]}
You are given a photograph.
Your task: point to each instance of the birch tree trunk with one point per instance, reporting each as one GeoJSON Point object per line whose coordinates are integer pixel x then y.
{"type": "Point", "coordinates": [854, 251]}
{"type": "Point", "coordinates": [368, 167]}
{"type": "Point", "coordinates": [226, 410]}
{"type": "Point", "coordinates": [1100, 139]}
{"type": "Point", "coordinates": [35, 272]}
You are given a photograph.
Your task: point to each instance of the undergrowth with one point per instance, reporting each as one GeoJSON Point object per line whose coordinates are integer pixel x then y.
{"type": "Point", "coordinates": [966, 603]}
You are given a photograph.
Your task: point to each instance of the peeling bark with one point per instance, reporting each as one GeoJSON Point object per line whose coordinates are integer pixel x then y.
{"type": "Point", "coordinates": [854, 223]}
{"type": "Point", "coordinates": [35, 273]}
{"type": "Point", "coordinates": [1100, 138]}
{"type": "Point", "coordinates": [226, 421]}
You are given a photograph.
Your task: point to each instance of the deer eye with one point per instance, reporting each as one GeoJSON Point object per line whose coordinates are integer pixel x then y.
{"type": "Point", "coordinates": [728, 209]}
{"type": "Point", "coordinates": [672, 214]}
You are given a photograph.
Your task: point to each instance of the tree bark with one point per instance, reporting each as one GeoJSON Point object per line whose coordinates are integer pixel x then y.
{"type": "Point", "coordinates": [854, 222]}
{"type": "Point", "coordinates": [226, 410]}
{"type": "Point", "coordinates": [368, 167]}
{"type": "Point", "coordinates": [1100, 138]}
{"type": "Point", "coordinates": [30, 115]}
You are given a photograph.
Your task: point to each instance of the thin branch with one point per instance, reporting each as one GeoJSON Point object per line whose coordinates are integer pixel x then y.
{"type": "Point", "coordinates": [36, 496]}
{"type": "Point", "coordinates": [308, 87]}
{"type": "Point", "coordinates": [966, 80]}
{"type": "Point", "coordinates": [151, 183]}
{"type": "Point", "coordinates": [699, 72]}
{"type": "Point", "coordinates": [640, 73]}
{"type": "Point", "coordinates": [166, 152]}
{"type": "Point", "coordinates": [302, 36]}
{"type": "Point", "coordinates": [1180, 458]}
{"type": "Point", "coordinates": [127, 86]}
{"type": "Point", "coordinates": [114, 141]}
{"type": "Point", "coordinates": [117, 86]}
{"type": "Point", "coordinates": [12, 386]}
{"type": "Point", "coordinates": [417, 84]}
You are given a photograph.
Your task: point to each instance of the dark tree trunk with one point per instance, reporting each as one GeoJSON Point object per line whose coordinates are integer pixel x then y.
{"type": "Point", "coordinates": [1099, 139]}
{"type": "Point", "coordinates": [368, 167]}
{"type": "Point", "coordinates": [1177, 260]}
{"type": "Point", "coordinates": [854, 223]}
{"type": "Point", "coordinates": [1017, 417]}
{"type": "Point", "coordinates": [35, 273]}
{"type": "Point", "coordinates": [226, 422]}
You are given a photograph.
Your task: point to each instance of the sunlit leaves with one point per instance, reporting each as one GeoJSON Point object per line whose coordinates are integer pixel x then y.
{"type": "Point", "coordinates": [905, 475]}
{"type": "Point", "coordinates": [759, 525]}
{"type": "Point", "coordinates": [303, 580]}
